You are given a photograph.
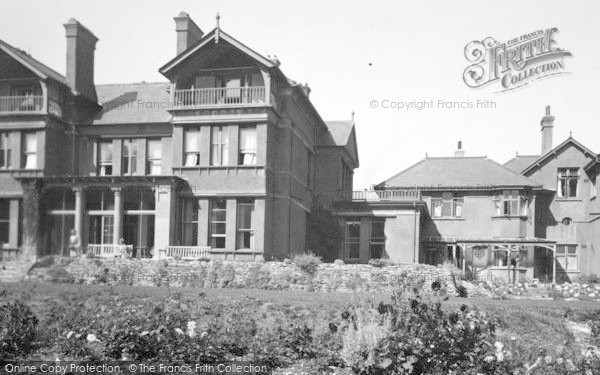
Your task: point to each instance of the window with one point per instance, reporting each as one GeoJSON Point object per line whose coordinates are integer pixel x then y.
{"type": "Point", "coordinates": [247, 151]}
{"type": "Point", "coordinates": [567, 182]}
{"type": "Point", "coordinates": [510, 203]}
{"type": "Point", "coordinates": [105, 158]}
{"type": "Point", "coordinates": [218, 216]}
{"type": "Point", "coordinates": [189, 235]}
{"type": "Point", "coordinates": [377, 240]}
{"type": "Point", "coordinates": [101, 229]}
{"type": "Point", "coordinates": [29, 150]}
{"type": "Point", "coordinates": [192, 148]}
{"type": "Point", "coordinates": [593, 188]}
{"type": "Point", "coordinates": [245, 232]}
{"type": "Point", "coordinates": [352, 239]}
{"type": "Point", "coordinates": [219, 147]}
{"type": "Point", "coordinates": [4, 221]}
{"type": "Point", "coordinates": [448, 205]}
{"type": "Point", "coordinates": [154, 152]}
{"type": "Point", "coordinates": [566, 255]}
{"type": "Point", "coordinates": [5, 151]}
{"type": "Point", "coordinates": [129, 156]}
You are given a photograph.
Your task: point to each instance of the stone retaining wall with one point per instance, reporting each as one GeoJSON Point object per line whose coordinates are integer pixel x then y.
{"type": "Point", "coordinates": [260, 275]}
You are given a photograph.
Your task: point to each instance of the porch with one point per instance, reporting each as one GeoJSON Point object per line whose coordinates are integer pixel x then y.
{"type": "Point", "coordinates": [510, 260]}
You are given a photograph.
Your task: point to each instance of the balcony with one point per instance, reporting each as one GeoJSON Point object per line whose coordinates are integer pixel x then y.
{"type": "Point", "coordinates": [219, 97]}
{"type": "Point", "coordinates": [372, 196]}
{"type": "Point", "coordinates": [29, 104]}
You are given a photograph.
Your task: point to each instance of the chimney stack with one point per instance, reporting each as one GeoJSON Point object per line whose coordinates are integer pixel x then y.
{"type": "Point", "coordinates": [305, 89]}
{"type": "Point", "coordinates": [547, 124]}
{"type": "Point", "coordinates": [81, 44]}
{"type": "Point", "coordinates": [459, 153]}
{"type": "Point", "coordinates": [188, 33]}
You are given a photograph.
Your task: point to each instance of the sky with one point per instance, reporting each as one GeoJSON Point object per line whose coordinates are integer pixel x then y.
{"type": "Point", "coordinates": [354, 54]}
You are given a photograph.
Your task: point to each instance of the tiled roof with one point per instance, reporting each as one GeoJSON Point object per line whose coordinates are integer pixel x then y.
{"type": "Point", "coordinates": [33, 64]}
{"type": "Point", "coordinates": [520, 162]}
{"type": "Point", "coordinates": [339, 131]}
{"type": "Point", "coordinates": [458, 172]}
{"type": "Point", "coordinates": [133, 103]}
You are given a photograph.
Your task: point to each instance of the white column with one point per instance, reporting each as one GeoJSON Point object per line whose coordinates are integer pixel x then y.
{"type": "Point", "coordinates": [78, 211]}
{"type": "Point", "coordinates": [118, 216]}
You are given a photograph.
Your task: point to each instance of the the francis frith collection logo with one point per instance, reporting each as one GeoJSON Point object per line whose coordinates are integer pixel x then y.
{"type": "Point", "coordinates": [515, 63]}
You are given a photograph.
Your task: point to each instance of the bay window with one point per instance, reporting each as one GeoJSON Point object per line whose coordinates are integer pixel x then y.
{"type": "Point", "coordinates": [448, 205]}
{"type": "Point", "coordinates": [5, 151]}
{"type": "Point", "coordinates": [566, 256]}
{"type": "Point", "coordinates": [510, 203]}
{"type": "Point", "coordinates": [129, 157]}
{"type": "Point", "coordinates": [219, 146]}
{"type": "Point", "coordinates": [29, 150]}
{"type": "Point", "coordinates": [192, 147]}
{"type": "Point", "coordinates": [567, 182]}
{"type": "Point", "coordinates": [247, 146]}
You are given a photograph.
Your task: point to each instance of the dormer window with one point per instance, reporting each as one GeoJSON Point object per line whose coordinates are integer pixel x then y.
{"type": "Point", "coordinates": [567, 182]}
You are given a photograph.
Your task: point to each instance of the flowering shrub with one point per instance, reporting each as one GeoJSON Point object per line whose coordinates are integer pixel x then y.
{"type": "Point", "coordinates": [308, 263]}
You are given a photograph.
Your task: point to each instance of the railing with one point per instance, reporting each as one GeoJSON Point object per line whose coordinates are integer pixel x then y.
{"type": "Point", "coordinates": [219, 97]}
{"type": "Point", "coordinates": [186, 252]}
{"type": "Point", "coordinates": [21, 104]}
{"type": "Point", "coordinates": [404, 195]}
{"type": "Point", "coordinates": [109, 251]}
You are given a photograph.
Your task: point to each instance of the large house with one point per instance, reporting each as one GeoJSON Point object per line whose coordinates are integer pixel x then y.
{"type": "Point", "coordinates": [535, 217]}
{"type": "Point", "coordinates": [224, 159]}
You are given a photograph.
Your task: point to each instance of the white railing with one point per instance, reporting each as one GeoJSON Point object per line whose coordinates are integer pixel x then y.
{"type": "Point", "coordinates": [21, 104]}
{"type": "Point", "coordinates": [404, 195]}
{"type": "Point", "coordinates": [219, 96]}
{"type": "Point", "coordinates": [186, 252]}
{"type": "Point", "coordinates": [109, 251]}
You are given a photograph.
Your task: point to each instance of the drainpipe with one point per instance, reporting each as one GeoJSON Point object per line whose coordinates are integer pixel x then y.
{"type": "Point", "coordinates": [415, 259]}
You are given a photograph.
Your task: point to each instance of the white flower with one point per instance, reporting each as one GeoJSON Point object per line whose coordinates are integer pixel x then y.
{"type": "Point", "coordinates": [91, 338]}
{"type": "Point", "coordinates": [489, 359]}
{"type": "Point", "coordinates": [500, 356]}
{"type": "Point", "coordinates": [203, 334]}
{"type": "Point", "coordinates": [191, 329]}
{"type": "Point", "coordinates": [559, 361]}
{"type": "Point", "coordinates": [144, 333]}
{"type": "Point", "coordinates": [548, 359]}
{"type": "Point", "coordinates": [70, 334]}
{"type": "Point", "coordinates": [498, 345]}
{"type": "Point", "coordinates": [179, 331]}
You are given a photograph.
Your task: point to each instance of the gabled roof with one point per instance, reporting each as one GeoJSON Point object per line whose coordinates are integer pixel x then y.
{"type": "Point", "coordinates": [36, 67]}
{"type": "Point", "coordinates": [558, 149]}
{"type": "Point", "coordinates": [212, 37]}
{"type": "Point", "coordinates": [133, 103]}
{"type": "Point", "coordinates": [458, 172]}
{"type": "Point", "coordinates": [343, 134]}
{"type": "Point", "coordinates": [520, 162]}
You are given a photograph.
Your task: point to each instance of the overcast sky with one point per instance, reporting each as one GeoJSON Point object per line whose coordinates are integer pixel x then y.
{"type": "Point", "coordinates": [353, 52]}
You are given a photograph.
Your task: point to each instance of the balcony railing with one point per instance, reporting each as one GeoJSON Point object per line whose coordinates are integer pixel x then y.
{"type": "Point", "coordinates": [21, 104]}
{"type": "Point", "coordinates": [219, 97]}
{"type": "Point", "coordinates": [404, 195]}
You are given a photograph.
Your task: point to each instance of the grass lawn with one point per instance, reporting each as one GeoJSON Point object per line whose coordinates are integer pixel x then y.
{"type": "Point", "coordinates": [531, 323]}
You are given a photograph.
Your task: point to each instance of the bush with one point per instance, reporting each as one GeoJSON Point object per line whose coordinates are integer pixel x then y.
{"type": "Point", "coordinates": [588, 279]}
{"type": "Point", "coordinates": [380, 262]}
{"type": "Point", "coordinates": [338, 262]}
{"type": "Point", "coordinates": [18, 329]}
{"type": "Point", "coordinates": [308, 262]}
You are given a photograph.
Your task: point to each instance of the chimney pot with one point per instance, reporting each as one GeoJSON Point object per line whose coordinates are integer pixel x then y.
{"type": "Point", "coordinates": [188, 33]}
{"type": "Point", "coordinates": [459, 153]}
